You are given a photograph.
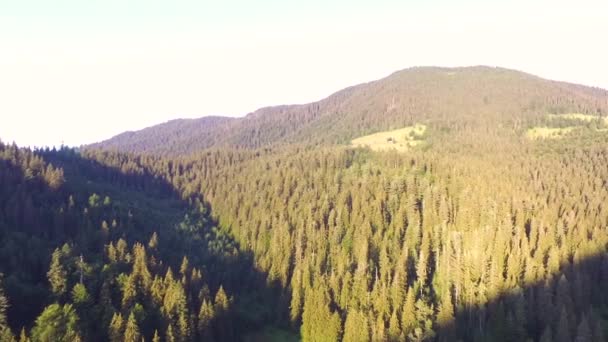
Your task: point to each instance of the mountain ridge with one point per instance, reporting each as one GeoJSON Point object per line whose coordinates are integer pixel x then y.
{"type": "Point", "coordinates": [477, 96]}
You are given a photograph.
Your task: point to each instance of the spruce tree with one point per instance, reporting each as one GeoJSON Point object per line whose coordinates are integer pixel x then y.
{"type": "Point", "coordinates": [132, 330]}
{"type": "Point", "coordinates": [57, 274]}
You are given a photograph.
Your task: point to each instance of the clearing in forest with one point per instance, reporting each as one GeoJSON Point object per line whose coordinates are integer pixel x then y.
{"type": "Point", "coordinates": [578, 116]}
{"type": "Point", "coordinates": [548, 132]}
{"type": "Point", "coordinates": [542, 132]}
{"type": "Point", "coordinates": [399, 139]}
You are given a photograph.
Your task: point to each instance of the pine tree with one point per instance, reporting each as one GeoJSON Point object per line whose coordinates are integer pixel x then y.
{"type": "Point", "coordinates": [445, 318]}
{"type": "Point", "coordinates": [153, 243]}
{"type": "Point", "coordinates": [141, 275]}
{"type": "Point", "coordinates": [394, 329]}
{"type": "Point", "coordinates": [379, 330]}
{"type": "Point", "coordinates": [318, 322]}
{"type": "Point", "coordinates": [295, 307]}
{"type": "Point", "coordinates": [583, 333]}
{"type": "Point", "coordinates": [356, 327]}
{"type": "Point", "coordinates": [56, 323]}
{"type": "Point", "coordinates": [6, 335]}
{"type": "Point", "coordinates": [115, 330]}
{"type": "Point", "coordinates": [221, 303]}
{"type": "Point", "coordinates": [184, 267]}
{"type": "Point", "coordinates": [57, 275]}
{"type": "Point", "coordinates": [563, 328]}
{"type": "Point", "coordinates": [205, 316]}
{"type": "Point", "coordinates": [129, 292]}
{"type": "Point", "coordinates": [132, 330]}
{"type": "Point", "coordinates": [157, 290]}
{"type": "Point", "coordinates": [408, 315]}
{"type": "Point", "coordinates": [23, 336]}
{"type": "Point", "coordinates": [4, 305]}
{"type": "Point", "coordinates": [170, 335]}
{"type": "Point", "coordinates": [183, 324]}
{"type": "Point", "coordinates": [80, 295]}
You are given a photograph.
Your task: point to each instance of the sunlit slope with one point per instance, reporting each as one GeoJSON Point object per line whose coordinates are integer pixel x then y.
{"type": "Point", "coordinates": [399, 139]}
{"type": "Point", "coordinates": [563, 125]}
{"type": "Point", "coordinates": [485, 100]}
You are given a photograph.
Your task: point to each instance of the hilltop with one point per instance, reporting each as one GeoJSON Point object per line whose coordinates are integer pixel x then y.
{"type": "Point", "coordinates": [455, 99]}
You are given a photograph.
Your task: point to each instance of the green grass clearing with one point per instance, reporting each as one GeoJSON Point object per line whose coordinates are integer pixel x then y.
{"type": "Point", "coordinates": [578, 116]}
{"type": "Point", "coordinates": [541, 132]}
{"type": "Point", "coordinates": [399, 139]}
{"type": "Point", "coordinates": [548, 132]}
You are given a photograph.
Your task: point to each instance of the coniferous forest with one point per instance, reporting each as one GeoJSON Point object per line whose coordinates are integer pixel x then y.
{"type": "Point", "coordinates": [492, 228]}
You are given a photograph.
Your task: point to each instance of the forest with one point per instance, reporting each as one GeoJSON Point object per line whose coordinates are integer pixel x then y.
{"type": "Point", "coordinates": [481, 233]}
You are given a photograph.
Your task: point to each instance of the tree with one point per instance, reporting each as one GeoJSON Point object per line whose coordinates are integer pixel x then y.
{"type": "Point", "coordinates": [115, 330]}
{"type": "Point", "coordinates": [183, 324]}
{"type": "Point", "coordinates": [153, 243]}
{"type": "Point", "coordinates": [222, 303]}
{"type": "Point", "coordinates": [445, 318]}
{"type": "Point", "coordinates": [185, 266]}
{"type": "Point", "coordinates": [57, 275]}
{"type": "Point", "coordinates": [5, 331]}
{"type": "Point", "coordinates": [23, 336]}
{"type": "Point", "coordinates": [6, 335]}
{"type": "Point", "coordinates": [132, 330]}
{"type": "Point", "coordinates": [129, 292]}
{"type": "Point", "coordinates": [3, 306]}
{"type": "Point", "coordinates": [80, 295]}
{"type": "Point", "coordinates": [356, 327]}
{"type": "Point", "coordinates": [94, 200]}
{"type": "Point", "coordinates": [56, 323]}
{"type": "Point", "coordinates": [394, 330]}
{"type": "Point", "coordinates": [563, 328]}
{"type": "Point", "coordinates": [205, 316]}
{"type": "Point", "coordinates": [170, 335]}
{"type": "Point", "coordinates": [318, 322]}
{"type": "Point", "coordinates": [583, 333]}
{"type": "Point", "coordinates": [141, 275]}
{"type": "Point", "coordinates": [408, 315]}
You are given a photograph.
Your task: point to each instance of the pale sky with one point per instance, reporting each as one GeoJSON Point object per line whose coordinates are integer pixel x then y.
{"type": "Point", "coordinates": [80, 71]}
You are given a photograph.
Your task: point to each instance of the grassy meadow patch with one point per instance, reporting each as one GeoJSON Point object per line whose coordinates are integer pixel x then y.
{"type": "Point", "coordinates": [548, 132]}
{"type": "Point", "coordinates": [399, 139]}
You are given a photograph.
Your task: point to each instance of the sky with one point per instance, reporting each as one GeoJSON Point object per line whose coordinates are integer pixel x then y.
{"type": "Point", "coordinates": [81, 71]}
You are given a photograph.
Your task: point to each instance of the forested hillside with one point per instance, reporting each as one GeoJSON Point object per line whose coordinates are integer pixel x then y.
{"type": "Point", "coordinates": [491, 227]}
{"type": "Point", "coordinates": [427, 245]}
{"type": "Point", "coordinates": [460, 99]}
{"type": "Point", "coordinates": [99, 247]}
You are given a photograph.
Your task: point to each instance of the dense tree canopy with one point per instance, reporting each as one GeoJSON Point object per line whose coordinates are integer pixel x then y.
{"type": "Point", "coordinates": [480, 234]}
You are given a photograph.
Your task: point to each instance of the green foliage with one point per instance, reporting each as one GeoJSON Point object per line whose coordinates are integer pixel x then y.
{"type": "Point", "coordinates": [483, 235]}
{"type": "Point", "coordinates": [319, 323]}
{"type": "Point", "coordinates": [94, 201]}
{"type": "Point", "coordinates": [356, 327]}
{"type": "Point", "coordinates": [56, 323]}
{"type": "Point", "coordinates": [57, 275]}
{"type": "Point", "coordinates": [132, 330]}
{"type": "Point", "coordinates": [80, 295]}
{"type": "Point", "coordinates": [115, 330]}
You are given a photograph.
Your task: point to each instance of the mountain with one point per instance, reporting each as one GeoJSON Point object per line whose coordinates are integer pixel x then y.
{"type": "Point", "coordinates": [444, 98]}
